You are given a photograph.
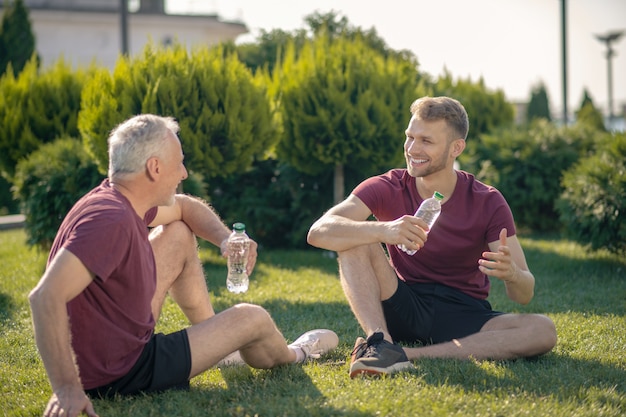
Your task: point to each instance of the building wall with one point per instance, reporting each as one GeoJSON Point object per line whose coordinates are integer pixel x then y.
{"type": "Point", "coordinates": [82, 35]}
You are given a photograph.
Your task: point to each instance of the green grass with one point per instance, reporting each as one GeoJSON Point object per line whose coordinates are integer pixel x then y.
{"type": "Point", "coordinates": [584, 293]}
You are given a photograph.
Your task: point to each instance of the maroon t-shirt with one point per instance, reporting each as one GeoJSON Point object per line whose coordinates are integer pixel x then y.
{"type": "Point", "coordinates": [111, 320]}
{"type": "Point", "coordinates": [471, 218]}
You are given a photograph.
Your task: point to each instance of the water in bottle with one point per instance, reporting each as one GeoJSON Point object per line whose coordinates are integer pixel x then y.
{"type": "Point", "coordinates": [429, 211]}
{"type": "Point", "coordinates": [238, 245]}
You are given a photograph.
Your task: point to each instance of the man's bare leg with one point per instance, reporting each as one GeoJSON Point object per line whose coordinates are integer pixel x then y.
{"type": "Point", "coordinates": [179, 272]}
{"type": "Point", "coordinates": [367, 278]}
{"type": "Point", "coordinates": [508, 336]}
{"type": "Point", "coordinates": [244, 327]}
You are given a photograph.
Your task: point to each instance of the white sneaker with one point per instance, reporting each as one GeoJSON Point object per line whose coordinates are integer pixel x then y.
{"type": "Point", "coordinates": [232, 359]}
{"type": "Point", "coordinates": [316, 343]}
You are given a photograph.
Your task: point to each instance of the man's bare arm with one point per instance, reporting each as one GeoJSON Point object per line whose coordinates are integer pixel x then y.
{"type": "Point", "coordinates": [198, 215]}
{"type": "Point", "coordinates": [64, 279]}
{"type": "Point", "coordinates": [203, 222]}
{"type": "Point", "coordinates": [507, 262]}
{"type": "Point", "coordinates": [345, 226]}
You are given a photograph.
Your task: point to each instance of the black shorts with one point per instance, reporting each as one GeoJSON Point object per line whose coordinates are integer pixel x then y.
{"type": "Point", "coordinates": [165, 363]}
{"type": "Point", "coordinates": [434, 313]}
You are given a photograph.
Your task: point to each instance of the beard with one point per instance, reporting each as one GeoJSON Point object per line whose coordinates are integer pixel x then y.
{"type": "Point", "coordinates": [433, 166]}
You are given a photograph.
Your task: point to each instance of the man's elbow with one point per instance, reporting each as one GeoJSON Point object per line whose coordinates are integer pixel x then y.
{"type": "Point", "coordinates": [37, 298]}
{"type": "Point", "coordinates": [34, 295]}
{"type": "Point", "coordinates": [524, 299]}
{"type": "Point", "coordinates": [312, 237]}
{"type": "Point", "coordinates": [41, 299]}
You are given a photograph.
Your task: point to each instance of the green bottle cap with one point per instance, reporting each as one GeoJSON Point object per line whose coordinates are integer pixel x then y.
{"type": "Point", "coordinates": [438, 195]}
{"type": "Point", "coordinates": [239, 227]}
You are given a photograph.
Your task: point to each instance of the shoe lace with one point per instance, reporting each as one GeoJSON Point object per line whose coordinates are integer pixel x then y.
{"type": "Point", "coordinates": [366, 347]}
{"type": "Point", "coordinates": [359, 350]}
{"type": "Point", "coordinates": [310, 347]}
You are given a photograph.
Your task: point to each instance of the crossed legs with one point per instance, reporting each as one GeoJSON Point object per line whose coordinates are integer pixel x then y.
{"type": "Point", "coordinates": [244, 327]}
{"type": "Point", "coordinates": [367, 278]}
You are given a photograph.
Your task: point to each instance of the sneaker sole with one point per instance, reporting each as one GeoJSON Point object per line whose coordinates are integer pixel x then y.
{"type": "Point", "coordinates": [360, 369]}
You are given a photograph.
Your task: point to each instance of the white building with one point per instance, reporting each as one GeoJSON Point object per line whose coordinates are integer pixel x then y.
{"type": "Point", "coordinates": [86, 31]}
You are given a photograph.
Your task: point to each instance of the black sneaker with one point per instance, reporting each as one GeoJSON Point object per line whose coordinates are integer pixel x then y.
{"type": "Point", "coordinates": [376, 356]}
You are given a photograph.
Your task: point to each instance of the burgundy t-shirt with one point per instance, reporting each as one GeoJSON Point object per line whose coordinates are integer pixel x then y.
{"type": "Point", "coordinates": [111, 320]}
{"type": "Point", "coordinates": [471, 218]}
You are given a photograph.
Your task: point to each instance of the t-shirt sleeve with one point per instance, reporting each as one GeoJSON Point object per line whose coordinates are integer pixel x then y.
{"type": "Point", "coordinates": [364, 191]}
{"type": "Point", "coordinates": [373, 193]}
{"type": "Point", "coordinates": [100, 243]}
{"type": "Point", "coordinates": [501, 217]}
{"type": "Point", "coordinates": [150, 215]}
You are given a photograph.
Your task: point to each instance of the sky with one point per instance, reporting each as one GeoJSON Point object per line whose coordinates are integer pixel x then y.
{"type": "Point", "coordinates": [512, 44]}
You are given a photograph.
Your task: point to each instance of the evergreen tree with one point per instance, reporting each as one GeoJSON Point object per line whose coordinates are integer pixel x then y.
{"type": "Point", "coordinates": [538, 106]}
{"type": "Point", "coordinates": [588, 114]}
{"type": "Point", "coordinates": [4, 55]}
{"type": "Point", "coordinates": [486, 110]}
{"type": "Point", "coordinates": [269, 47]}
{"type": "Point", "coordinates": [17, 42]}
{"type": "Point", "coordinates": [223, 111]}
{"type": "Point", "coordinates": [36, 107]}
{"type": "Point", "coordinates": [343, 105]}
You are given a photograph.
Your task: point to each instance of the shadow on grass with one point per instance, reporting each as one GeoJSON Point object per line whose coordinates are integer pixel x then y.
{"type": "Point", "coordinates": [286, 390]}
{"type": "Point", "coordinates": [7, 307]}
{"type": "Point", "coordinates": [283, 391]}
{"type": "Point", "coordinates": [558, 376]}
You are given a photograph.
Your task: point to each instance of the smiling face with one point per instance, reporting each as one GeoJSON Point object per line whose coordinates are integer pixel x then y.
{"type": "Point", "coordinates": [427, 147]}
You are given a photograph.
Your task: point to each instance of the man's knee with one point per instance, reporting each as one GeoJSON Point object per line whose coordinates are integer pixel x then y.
{"type": "Point", "coordinates": [368, 265]}
{"type": "Point", "coordinates": [176, 234]}
{"type": "Point", "coordinates": [545, 330]}
{"type": "Point", "coordinates": [257, 319]}
{"type": "Point", "coordinates": [539, 332]}
{"type": "Point", "coordinates": [361, 253]}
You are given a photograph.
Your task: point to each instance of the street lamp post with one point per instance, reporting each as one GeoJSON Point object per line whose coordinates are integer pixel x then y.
{"type": "Point", "coordinates": [124, 26]}
{"type": "Point", "coordinates": [608, 39]}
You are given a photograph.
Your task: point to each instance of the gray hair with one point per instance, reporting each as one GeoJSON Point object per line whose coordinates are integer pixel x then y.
{"type": "Point", "coordinates": [136, 140]}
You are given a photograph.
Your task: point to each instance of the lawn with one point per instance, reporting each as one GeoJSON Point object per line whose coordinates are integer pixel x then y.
{"type": "Point", "coordinates": [583, 292]}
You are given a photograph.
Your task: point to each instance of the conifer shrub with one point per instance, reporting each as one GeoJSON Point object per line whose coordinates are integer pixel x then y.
{"type": "Point", "coordinates": [223, 111]}
{"type": "Point", "coordinates": [593, 202]}
{"type": "Point", "coordinates": [527, 164]}
{"type": "Point", "coordinates": [49, 182]}
{"type": "Point", "coordinates": [37, 107]}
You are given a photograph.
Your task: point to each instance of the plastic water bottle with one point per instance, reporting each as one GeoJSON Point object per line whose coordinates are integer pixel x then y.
{"type": "Point", "coordinates": [429, 211]}
{"type": "Point", "coordinates": [238, 244]}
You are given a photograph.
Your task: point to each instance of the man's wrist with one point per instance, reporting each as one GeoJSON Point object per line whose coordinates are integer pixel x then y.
{"type": "Point", "coordinates": [515, 276]}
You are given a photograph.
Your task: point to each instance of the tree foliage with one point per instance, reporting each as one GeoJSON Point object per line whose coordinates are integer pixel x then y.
{"type": "Point", "coordinates": [49, 182]}
{"type": "Point", "coordinates": [526, 164]}
{"type": "Point", "coordinates": [342, 103]}
{"type": "Point", "coordinates": [335, 25]}
{"type": "Point", "coordinates": [269, 47]}
{"type": "Point", "coordinates": [588, 115]}
{"type": "Point", "coordinates": [593, 203]}
{"type": "Point", "coordinates": [8, 205]}
{"type": "Point", "coordinates": [486, 110]}
{"type": "Point", "coordinates": [277, 202]}
{"type": "Point", "coordinates": [17, 41]}
{"type": "Point", "coordinates": [224, 113]}
{"type": "Point", "coordinates": [539, 104]}
{"type": "Point", "coordinates": [267, 50]}
{"type": "Point", "coordinates": [36, 108]}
